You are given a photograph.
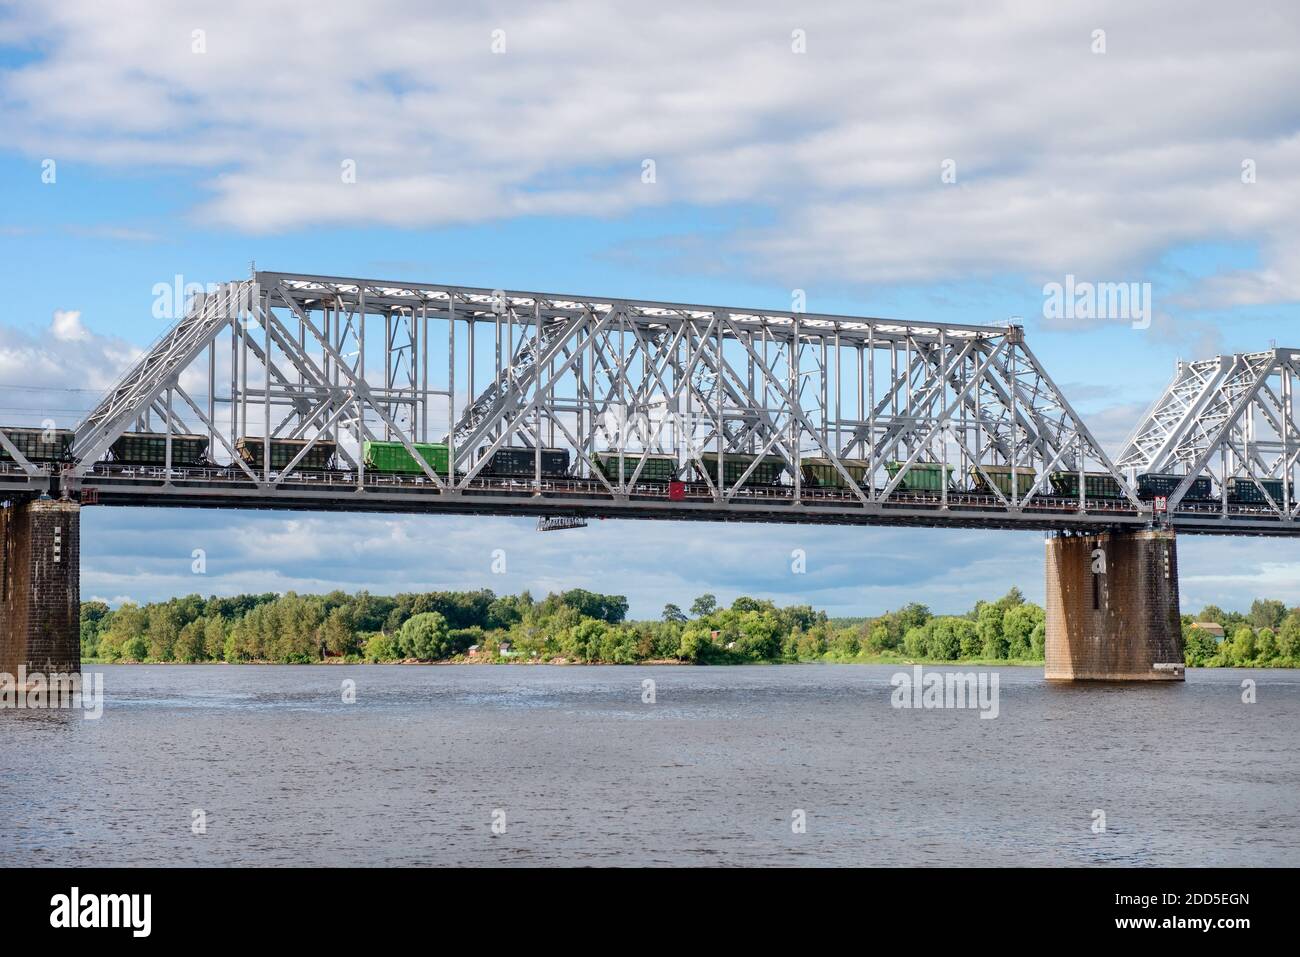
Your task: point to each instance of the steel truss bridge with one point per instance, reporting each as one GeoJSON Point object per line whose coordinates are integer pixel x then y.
{"type": "Point", "coordinates": [872, 401]}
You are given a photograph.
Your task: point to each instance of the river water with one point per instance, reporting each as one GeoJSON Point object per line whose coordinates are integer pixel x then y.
{"type": "Point", "coordinates": [574, 768]}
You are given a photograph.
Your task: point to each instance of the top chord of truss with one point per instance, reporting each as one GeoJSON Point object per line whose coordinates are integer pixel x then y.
{"type": "Point", "coordinates": [472, 304]}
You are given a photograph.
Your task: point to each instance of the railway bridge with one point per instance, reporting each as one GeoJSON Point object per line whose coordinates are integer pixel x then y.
{"type": "Point", "coordinates": [288, 391]}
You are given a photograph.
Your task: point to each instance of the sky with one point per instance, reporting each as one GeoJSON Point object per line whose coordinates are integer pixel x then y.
{"type": "Point", "coordinates": [937, 161]}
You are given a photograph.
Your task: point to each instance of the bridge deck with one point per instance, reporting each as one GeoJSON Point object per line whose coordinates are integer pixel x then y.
{"type": "Point", "coordinates": [340, 491]}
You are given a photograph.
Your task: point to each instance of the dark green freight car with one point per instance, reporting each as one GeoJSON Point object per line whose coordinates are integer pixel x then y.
{"type": "Point", "coordinates": [38, 445]}
{"type": "Point", "coordinates": [518, 462]}
{"type": "Point", "coordinates": [320, 457]}
{"type": "Point", "coordinates": [1095, 485]}
{"type": "Point", "coordinates": [659, 469]}
{"type": "Point", "coordinates": [922, 476]}
{"type": "Point", "coordinates": [822, 473]}
{"type": "Point", "coordinates": [393, 457]}
{"type": "Point", "coordinates": [768, 471]}
{"type": "Point", "coordinates": [1245, 492]}
{"type": "Point", "coordinates": [1152, 485]}
{"type": "Point", "coordinates": [150, 448]}
{"type": "Point", "coordinates": [1000, 476]}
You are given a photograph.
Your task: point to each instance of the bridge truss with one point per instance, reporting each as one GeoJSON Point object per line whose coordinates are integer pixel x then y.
{"type": "Point", "coordinates": [876, 404]}
{"type": "Point", "coordinates": [1232, 418]}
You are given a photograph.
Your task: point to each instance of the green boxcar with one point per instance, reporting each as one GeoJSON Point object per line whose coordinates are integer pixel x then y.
{"type": "Point", "coordinates": [38, 445]}
{"type": "Point", "coordinates": [658, 469]}
{"type": "Point", "coordinates": [320, 457]}
{"type": "Point", "coordinates": [1246, 492]}
{"type": "Point", "coordinates": [768, 471]}
{"type": "Point", "coordinates": [1095, 485]}
{"type": "Point", "coordinates": [822, 473]}
{"type": "Point", "coordinates": [393, 457]}
{"type": "Point", "coordinates": [922, 476]}
{"type": "Point", "coordinates": [1000, 475]}
{"type": "Point", "coordinates": [150, 448]}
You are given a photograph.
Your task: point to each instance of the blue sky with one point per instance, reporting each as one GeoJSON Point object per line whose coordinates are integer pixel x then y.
{"type": "Point", "coordinates": [775, 170]}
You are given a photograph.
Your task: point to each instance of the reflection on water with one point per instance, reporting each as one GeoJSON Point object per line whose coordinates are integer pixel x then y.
{"type": "Point", "coordinates": [411, 773]}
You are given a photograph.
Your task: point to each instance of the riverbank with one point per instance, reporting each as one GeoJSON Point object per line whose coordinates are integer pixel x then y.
{"type": "Point", "coordinates": [579, 626]}
{"type": "Point", "coordinates": [658, 663]}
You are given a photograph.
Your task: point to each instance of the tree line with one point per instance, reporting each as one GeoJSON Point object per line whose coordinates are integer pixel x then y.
{"type": "Point", "coordinates": [575, 625]}
{"type": "Point", "coordinates": [1267, 636]}
{"type": "Point", "coordinates": [583, 626]}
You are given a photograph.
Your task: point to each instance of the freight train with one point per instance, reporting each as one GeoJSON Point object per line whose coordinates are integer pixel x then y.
{"type": "Point", "coordinates": [150, 449]}
{"type": "Point", "coordinates": [38, 445]}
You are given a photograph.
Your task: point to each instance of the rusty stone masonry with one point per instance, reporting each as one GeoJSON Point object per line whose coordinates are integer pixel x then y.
{"type": "Point", "coordinates": [40, 587]}
{"type": "Point", "coordinates": [1118, 625]}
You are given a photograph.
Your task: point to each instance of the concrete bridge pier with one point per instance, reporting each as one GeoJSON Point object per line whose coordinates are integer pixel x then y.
{"type": "Point", "coordinates": [40, 587]}
{"type": "Point", "coordinates": [1112, 607]}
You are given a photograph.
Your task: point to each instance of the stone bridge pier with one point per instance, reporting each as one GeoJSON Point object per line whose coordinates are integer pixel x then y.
{"type": "Point", "coordinates": [40, 587]}
{"type": "Point", "coordinates": [1112, 607]}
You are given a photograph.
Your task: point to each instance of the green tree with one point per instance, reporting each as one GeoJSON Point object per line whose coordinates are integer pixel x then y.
{"type": "Point", "coordinates": [424, 636]}
{"type": "Point", "coordinates": [1018, 624]}
{"type": "Point", "coordinates": [618, 646]}
{"type": "Point", "coordinates": [607, 608]}
{"type": "Point", "coordinates": [1199, 645]}
{"type": "Point", "coordinates": [338, 633]}
{"type": "Point", "coordinates": [381, 647]}
{"type": "Point", "coordinates": [810, 646]}
{"type": "Point", "coordinates": [943, 643]}
{"type": "Point", "coordinates": [94, 616]}
{"type": "Point", "coordinates": [913, 615]}
{"type": "Point", "coordinates": [695, 644]}
{"type": "Point", "coordinates": [1266, 646]}
{"type": "Point", "coordinates": [968, 637]}
{"type": "Point", "coordinates": [130, 621]}
{"type": "Point", "coordinates": [1243, 645]}
{"type": "Point", "coordinates": [704, 606]}
{"type": "Point", "coordinates": [1038, 640]}
{"type": "Point", "coordinates": [988, 625]}
{"type": "Point", "coordinates": [214, 637]}
{"type": "Point", "coordinates": [673, 613]}
{"type": "Point", "coordinates": [163, 630]}
{"type": "Point", "coordinates": [760, 636]}
{"type": "Point", "coordinates": [916, 642]}
{"type": "Point", "coordinates": [189, 643]}
{"type": "Point", "coordinates": [842, 645]}
{"type": "Point", "coordinates": [583, 641]}
{"type": "Point", "coordinates": [1266, 613]}
{"type": "Point", "coordinates": [508, 609]}
{"type": "Point", "coordinates": [880, 638]}
{"type": "Point", "coordinates": [1288, 638]}
{"type": "Point", "coordinates": [666, 639]}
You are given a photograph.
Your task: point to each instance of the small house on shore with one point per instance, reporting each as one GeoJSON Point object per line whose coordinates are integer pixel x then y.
{"type": "Point", "coordinates": [1212, 628]}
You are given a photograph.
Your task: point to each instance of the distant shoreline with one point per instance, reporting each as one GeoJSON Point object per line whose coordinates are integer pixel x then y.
{"type": "Point", "coordinates": [875, 660]}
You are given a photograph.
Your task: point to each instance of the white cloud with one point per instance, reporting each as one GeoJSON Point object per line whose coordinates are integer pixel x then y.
{"type": "Point", "coordinates": [1067, 160]}
{"type": "Point", "coordinates": [849, 570]}
{"type": "Point", "coordinates": [146, 554]}
{"type": "Point", "coordinates": [57, 373]}
{"type": "Point", "coordinates": [67, 326]}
